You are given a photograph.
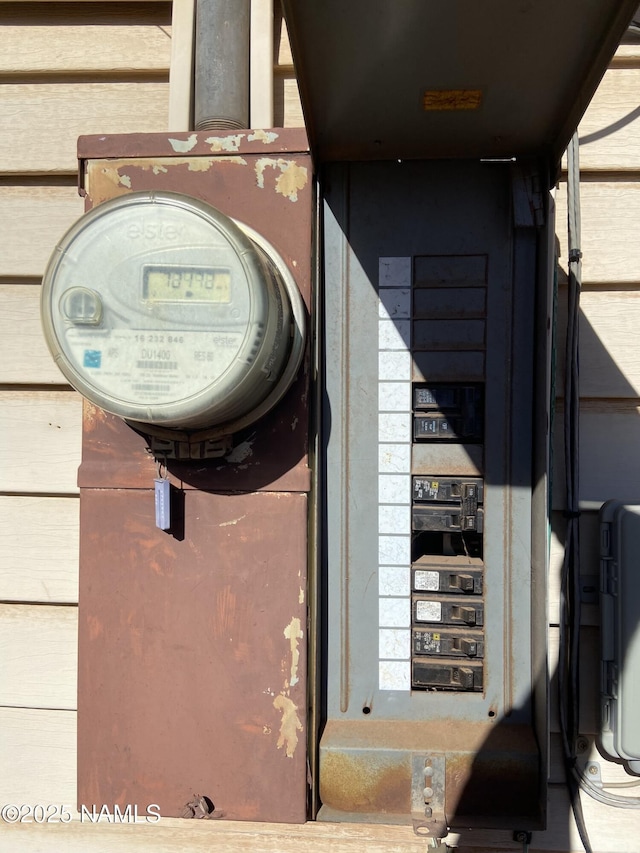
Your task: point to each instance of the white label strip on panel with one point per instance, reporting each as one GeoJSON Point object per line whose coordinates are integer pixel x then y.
{"type": "Point", "coordinates": [394, 473]}
{"type": "Point", "coordinates": [394, 675]}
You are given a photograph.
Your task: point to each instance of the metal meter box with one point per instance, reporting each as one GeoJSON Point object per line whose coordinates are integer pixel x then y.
{"type": "Point", "coordinates": [436, 278]}
{"type": "Point", "coordinates": [192, 641]}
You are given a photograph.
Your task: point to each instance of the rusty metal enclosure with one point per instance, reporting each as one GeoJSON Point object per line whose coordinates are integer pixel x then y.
{"type": "Point", "coordinates": [192, 642]}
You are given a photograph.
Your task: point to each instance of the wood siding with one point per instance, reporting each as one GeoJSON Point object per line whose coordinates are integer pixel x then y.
{"type": "Point", "coordinates": [82, 67]}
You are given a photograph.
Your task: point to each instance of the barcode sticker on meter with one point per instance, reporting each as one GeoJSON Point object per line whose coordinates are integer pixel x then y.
{"type": "Point", "coordinates": [429, 581]}
{"type": "Point", "coordinates": [428, 611]}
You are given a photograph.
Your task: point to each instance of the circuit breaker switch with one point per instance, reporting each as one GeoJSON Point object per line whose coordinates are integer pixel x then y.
{"type": "Point", "coordinates": [446, 518]}
{"type": "Point", "coordinates": [464, 614]}
{"type": "Point", "coordinates": [467, 647]}
{"type": "Point", "coordinates": [465, 583]}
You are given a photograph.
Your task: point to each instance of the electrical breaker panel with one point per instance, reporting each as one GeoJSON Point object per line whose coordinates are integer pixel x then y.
{"type": "Point", "coordinates": [436, 640]}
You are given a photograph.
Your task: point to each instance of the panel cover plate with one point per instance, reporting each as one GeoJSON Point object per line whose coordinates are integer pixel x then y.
{"type": "Point", "coordinates": [381, 80]}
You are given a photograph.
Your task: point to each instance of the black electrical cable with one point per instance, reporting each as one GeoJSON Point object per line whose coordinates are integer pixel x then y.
{"type": "Point", "coordinates": [570, 614]}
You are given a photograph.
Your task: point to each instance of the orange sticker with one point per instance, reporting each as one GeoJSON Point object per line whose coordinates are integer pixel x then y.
{"type": "Point", "coordinates": [452, 99]}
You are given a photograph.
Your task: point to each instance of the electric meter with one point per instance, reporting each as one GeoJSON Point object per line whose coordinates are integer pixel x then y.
{"type": "Point", "coordinates": [162, 310]}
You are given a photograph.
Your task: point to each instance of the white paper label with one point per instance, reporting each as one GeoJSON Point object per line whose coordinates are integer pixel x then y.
{"type": "Point", "coordinates": [428, 611]}
{"type": "Point", "coordinates": [429, 581]}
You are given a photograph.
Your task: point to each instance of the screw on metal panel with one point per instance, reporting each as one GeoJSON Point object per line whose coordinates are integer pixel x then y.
{"type": "Point", "coordinates": [593, 769]}
{"type": "Point", "coordinates": [428, 811]}
{"type": "Point", "coordinates": [522, 837]}
{"type": "Point", "coordinates": [582, 744]}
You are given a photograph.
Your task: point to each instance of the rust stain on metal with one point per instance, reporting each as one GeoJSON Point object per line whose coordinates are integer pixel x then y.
{"type": "Point", "coordinates": [242, 652]}
{"type": "Point", "coordinates": [292, 177]}
{"type": "Point", "coordinates": [225, 143]}
{"type": "Point", "coordinates": [183, 146]}
{"type": "Point", "coordinates": [290, 724]}
{"type": "Point", "coordinates": [225, 610]}
{"type": "Point", "coordinates": [293, 633]}
{"type": "Point", "coordinates": [359, 783]}
{"type": "Point", "coordinates": [90, 415]}
{"type": "Point", "coordinates": [95, 627]}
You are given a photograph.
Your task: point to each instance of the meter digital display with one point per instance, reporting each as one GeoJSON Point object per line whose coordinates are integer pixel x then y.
{"type": "Point", "coordinates": [159, 308]}
{"type": "Point", "coordinates": [193, 284]}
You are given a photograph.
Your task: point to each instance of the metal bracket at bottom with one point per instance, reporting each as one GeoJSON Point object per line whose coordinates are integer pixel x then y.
{"type": "Point", "coordinates": [427, 795]}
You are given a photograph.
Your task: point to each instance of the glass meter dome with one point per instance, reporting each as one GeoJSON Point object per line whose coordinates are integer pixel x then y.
{"type": "Point", "coordinates": [162, 310]}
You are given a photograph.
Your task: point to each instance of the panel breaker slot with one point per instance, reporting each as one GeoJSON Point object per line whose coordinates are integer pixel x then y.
{"type": "Point", "coordinates": [447, 413]}
{"type": "Point", "coordinates": [446, 518]}
{"type": "Point", "coordinates": [448, 642]}
{"type": "Point", "coordinates": [454, 610]}
{"type": "Point", "coordinates": [434, 674]}
{"type": "Point", "coordinates": [447, 575]}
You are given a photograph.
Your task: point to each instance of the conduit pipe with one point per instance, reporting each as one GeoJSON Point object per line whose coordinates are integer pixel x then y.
{"type": "Point", "coordinates": [222, 45]}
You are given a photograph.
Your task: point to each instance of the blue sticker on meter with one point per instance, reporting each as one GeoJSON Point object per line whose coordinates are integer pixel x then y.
{"type": "Point", "coordinates": [92, 358]}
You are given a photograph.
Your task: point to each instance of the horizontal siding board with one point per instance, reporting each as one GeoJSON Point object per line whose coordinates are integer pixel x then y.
{"type": "Point", "coordinates": [39, 548]}
{"type": "Point", "coordinates": [287, 109]}
{"type": "Point", "coordinates": [38, 759]}
{"type": "Point", "coordinates": [627, 54]}
{"type": "Point", "coordinates": [610, 246]}
{"type": "Point", "coordinates": [38, 656]}
{"type": "Point", "coordinates": [40, 451]}
{"type": "Point", "coordinates": [610, 129]}
{"type": "Point", "coordinates": [24, 355]}
{"type": "Point", "coordinates": [282, 52]}
{"type": "Point", "coordinates": [609, 352]}
{"type": "Point", "coordinates": [77, 38]}
{"type": "Point", "coordinates": [609, 456]}
{"type": "Point", "coordinates": [34, 218]}
{"type": "Point", "coordinates": [42, 121]}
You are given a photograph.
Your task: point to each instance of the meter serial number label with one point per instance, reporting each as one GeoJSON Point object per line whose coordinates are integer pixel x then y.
{"type": "Point", "coordinates": [159, 339]}
{"type": "Point", "coordinates": [151, 367]}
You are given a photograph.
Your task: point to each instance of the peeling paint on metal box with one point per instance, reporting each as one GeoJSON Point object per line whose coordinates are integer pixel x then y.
{"type": "Point", "coordinates": [182, 146]}
{"type": "Point", "coordinates": [290, 724]}
{"type": "Point", "coordinates": [292, 178]}
{"type": "Point", "coordinates": [225, 143]}
{"type": "Point", "coordinates": [262, 136]}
